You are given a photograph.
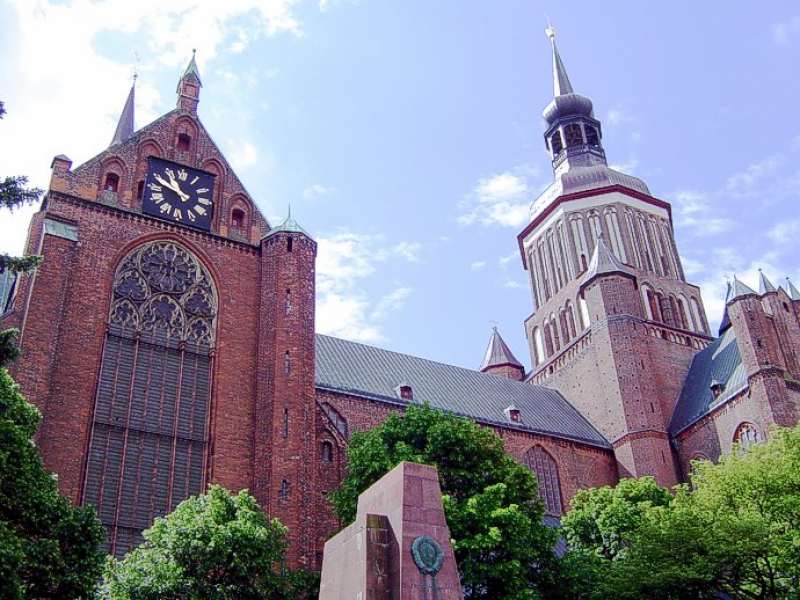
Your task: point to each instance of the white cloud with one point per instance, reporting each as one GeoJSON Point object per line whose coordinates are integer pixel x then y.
{"type": "Point", "coordinates": [618, 116]}
{"type": "Point", "coordinates": [408, 250]}
{"type": "Point", "coordinates": [694, 214]}
{"type": "Point", "coordinates": [786, 232]}
{"type": "Point", "coordinates": [317, 190]}
{"type": "Point", "coordinates": [783, 32]}
{"type": "Point", "coordinates": [477, 265]}
{"type": "Point", "coordinates": [512, 284]}
{"type": "Point", "coordinates": [345, 261]}
{"type": "Point", "coordinates": [745, 182]}
{"type": "Point", "coordinates": [502, 199]}
{"type": "Point", "coordinates": [504, 261]}
{"type": "Point", "coordinates": [243, 154]}
{"type": "Point", "coordinates": [56, 54]}
{"type": "Point", "coordinates": [627, 167]}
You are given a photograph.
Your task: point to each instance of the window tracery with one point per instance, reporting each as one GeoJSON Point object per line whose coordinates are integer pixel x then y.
{"type": "Point", "coordinates": [538, 460]}
{"type": "Point", "coordinates": [161, 290]}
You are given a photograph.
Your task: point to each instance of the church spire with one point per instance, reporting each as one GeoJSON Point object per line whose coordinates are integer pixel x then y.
{"type": "Point", "coordinates": [573, 134]}
{"type": "Point", "coordinates": [125, 125]}
{"type": "Point", "coordinates": [561, 83]}
{"type": "Point", "coordinates": [189, 86]}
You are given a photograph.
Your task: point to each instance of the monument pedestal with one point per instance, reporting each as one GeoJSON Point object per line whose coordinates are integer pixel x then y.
{"type": "Point", "coordinates": [398, 547]}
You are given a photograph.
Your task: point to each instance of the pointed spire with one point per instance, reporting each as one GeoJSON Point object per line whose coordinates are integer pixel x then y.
{"type": "Point", "coordinates": [726, 318]}
{"type": "Point", "coordinates": [498, 353]}
{"type": "Point", "coordinates": [191, 69]}
{"type": "Point", "coordinates": [561, 82]}
{"type": "Point", "coordinates": [764, 285]}
{"type": "Point", "coordinates": [604, 262]}
{"type": "Point", "coordinates": [740, 289]}
{"type": "Point", "coordinates": [125, 125]}
{"type": "Point", "coordinates": [794, 293]}
{"type": "Point", "coordinates": [288, 225]}
{"type": "Point", "coordinates": [189, 85]}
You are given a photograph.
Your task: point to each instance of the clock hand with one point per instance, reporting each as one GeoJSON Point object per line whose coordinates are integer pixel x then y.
{"type": "Point", "coordinates": [173, 185]}
{"type": "Point", "coordinates": [176, 187]}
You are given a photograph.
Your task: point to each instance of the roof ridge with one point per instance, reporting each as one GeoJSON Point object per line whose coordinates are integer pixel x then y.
{"type": "Point", "coordinates": [436, 362]}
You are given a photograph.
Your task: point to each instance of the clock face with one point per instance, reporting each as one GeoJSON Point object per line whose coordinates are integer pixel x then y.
{"type": "Point", "coordinates": [178, 193]}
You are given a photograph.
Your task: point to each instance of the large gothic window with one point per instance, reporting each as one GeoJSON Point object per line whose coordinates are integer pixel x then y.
{"type": "Point", "coordinates": [149, 438]}
{"type": "Point", "coordinates": [538, 460]}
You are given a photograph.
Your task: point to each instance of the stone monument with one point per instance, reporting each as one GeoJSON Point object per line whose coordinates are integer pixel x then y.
{"type": "Point", "coordinates": [398, 547]}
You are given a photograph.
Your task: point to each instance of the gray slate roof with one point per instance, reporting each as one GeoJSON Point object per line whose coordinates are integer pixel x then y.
{"type": "Point", "coordinates": [370, 372]}
{"type": "Point", "coordinates": [719, 361]}
{"type": "Point", "coordinates": [741, 289]}
{"type": "Point", "coordinates": [498, 353]}
{"type": "Point", "coordinates": [125, 128]}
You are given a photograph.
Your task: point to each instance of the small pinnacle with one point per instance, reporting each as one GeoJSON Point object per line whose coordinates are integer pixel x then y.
{"type": "Point", "coordinates": [550, 31]}
{"type": "Point", "coordinates": [194, 50]}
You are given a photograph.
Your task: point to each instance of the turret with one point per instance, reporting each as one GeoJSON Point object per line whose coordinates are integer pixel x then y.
{"type": "Point", "coordinates": [284, 481]}
{"type": "Point", "coordinates": [189, 85]}
{"type": "Point", "coordinates": [499, 360]}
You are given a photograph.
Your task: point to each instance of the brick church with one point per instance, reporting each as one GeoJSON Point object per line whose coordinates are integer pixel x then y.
{"type": "Point", "coordinates": [168, 337]}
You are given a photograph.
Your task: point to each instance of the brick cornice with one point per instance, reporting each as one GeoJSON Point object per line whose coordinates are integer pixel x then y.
{"type": "Point", "coordinates": [124, 213]}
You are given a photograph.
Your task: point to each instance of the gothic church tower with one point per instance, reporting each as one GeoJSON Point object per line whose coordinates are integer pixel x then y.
{"type": "Point", "coordinates": [615, 323]}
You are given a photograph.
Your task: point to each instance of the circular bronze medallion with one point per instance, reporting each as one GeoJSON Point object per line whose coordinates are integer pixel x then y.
{"type": "Point", "coordinates": [428, 555]}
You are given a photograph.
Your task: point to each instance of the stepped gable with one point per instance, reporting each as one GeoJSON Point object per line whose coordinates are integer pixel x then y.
{"type": "Point", "coordinates": [720, 364]}
{"type": "Point", "coordinates": [359, 370]}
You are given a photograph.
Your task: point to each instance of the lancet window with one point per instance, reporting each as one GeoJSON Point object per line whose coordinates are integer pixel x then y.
{"type": "Point", "coordinates": [149, 438]}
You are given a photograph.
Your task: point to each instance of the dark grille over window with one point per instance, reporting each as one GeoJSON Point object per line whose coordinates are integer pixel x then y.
{"type": "Point", "coordinates": [542, 464]}
{"type": "Point", "coordinates": [150, 428]}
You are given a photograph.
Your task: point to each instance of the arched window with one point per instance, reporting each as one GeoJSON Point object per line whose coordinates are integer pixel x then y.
{"type": "Point", "coordinates": [149, 436]}
{"type": "Point", "coordinates": [140, 190]}
{"type": "Point", "coordinates": [615, 235]}
{"type": "Point", "coordinates": [556, 145]}
{"type": "Point", "coordinates": [327, 452]}
{"type": "Point", "coordinates": [697, 315]}
{"type": "Point", "coordinates": [548, 339]}
{"type": "Point", "coordinates": [287, 363]}
{"type": "Point", "coordinates": [337, 419]}
{"type": "Point", "coordinates": [184, 142]}
{"type": "Point", "coordinates": [288, 302]}
{"type": "Point", "coordinates": [595, 227]}
{"type": "Point", "coordinates": [538, 460]}
{"type": "Point", "coordinates": [654, 308]}
{"type": "Point", "coordinates": [554, 333]}
{"type": "Point", "coordinates": [562, 317]}
{"type": "Point", "coordinates": [574, 135]}
{"type": "Point", "coordinates": [584, 313]}
{"type": "Point", "coordinates": [111, 183]}
{"type": "Point", "coordinates": [592, 137]}
{"type": "Point", "coordinates": [283, 491]}
{"type": "Point", "coordinates": [571, 319]}
{"type": "Point", "coordinates": [538, 345]}
{"type": "Point", "coordinates": [746, 435]}
{"type": "Point", "coordinates": [683, 306]}
{"type": "Point", "coordinates": [237, 219]}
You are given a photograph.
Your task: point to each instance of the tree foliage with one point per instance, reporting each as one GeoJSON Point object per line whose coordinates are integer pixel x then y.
{"type": "Point", "coordinates": [491, 503]}
{"type": "Point", "coordinates": [48, 548]}
{"type": "Point", "coordinates": [216, 545]}
{"type": "Point", "coordinates": [734, 530]}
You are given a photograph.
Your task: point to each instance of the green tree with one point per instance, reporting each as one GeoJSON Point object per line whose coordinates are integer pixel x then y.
{"type": "Point", "coordinates": [491, 503]}
{"type": "Point", "coordinates": [735, 530]}
{"type": "Point", "coordinates": [602, 520]}
{"type": "Point", "coordinates": [48, 548]}
{"type": "Point", "coordinates": [216, 545]}
{"type": "Point", "coordinates": [14, 192]}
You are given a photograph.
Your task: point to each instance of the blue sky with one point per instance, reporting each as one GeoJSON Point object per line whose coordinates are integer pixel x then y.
{"type": "Point", "coordinates": [407, 135]}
